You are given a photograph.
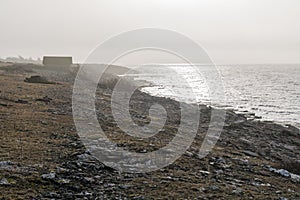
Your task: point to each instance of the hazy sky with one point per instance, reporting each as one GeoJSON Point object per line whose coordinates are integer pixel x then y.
{"type": "Point", "coordinates": [232, 31]}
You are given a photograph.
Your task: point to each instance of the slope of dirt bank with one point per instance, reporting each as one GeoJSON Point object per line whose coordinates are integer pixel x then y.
{"type": "Point", "coordinates": [41, 156]}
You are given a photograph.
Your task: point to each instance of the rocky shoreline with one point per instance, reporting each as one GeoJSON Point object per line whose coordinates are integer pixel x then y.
{"type": "Point", "coordinates": [42, 156]}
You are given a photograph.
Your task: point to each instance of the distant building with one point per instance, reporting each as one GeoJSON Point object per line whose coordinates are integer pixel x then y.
{"type": "Point", "coordinates": [57, 61]}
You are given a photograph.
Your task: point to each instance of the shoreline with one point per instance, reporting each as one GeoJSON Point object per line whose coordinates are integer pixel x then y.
{"type": "Point", "coordinates": [261, 102]}
{"type": "Point", "coordinates": [248, 114]}
{"type": "Point", "coordinates": [53, 163]}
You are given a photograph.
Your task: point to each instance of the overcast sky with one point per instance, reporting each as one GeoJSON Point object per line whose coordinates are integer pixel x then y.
{"type": "Point", "coordinates": [232, 31]}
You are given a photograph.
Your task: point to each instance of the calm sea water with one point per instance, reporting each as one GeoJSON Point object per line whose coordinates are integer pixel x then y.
{"type": "Point", "coordinates": [270, 91]}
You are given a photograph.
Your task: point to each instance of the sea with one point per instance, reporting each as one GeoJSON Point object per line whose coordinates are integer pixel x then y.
{"type": "Point", "coordinates": [271, 92]}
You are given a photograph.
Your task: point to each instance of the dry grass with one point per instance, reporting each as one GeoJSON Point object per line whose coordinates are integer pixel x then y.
{"type": "Point", "coordinates": [30, 135]}
{"type": "Point", "coordinates": [26, 129]}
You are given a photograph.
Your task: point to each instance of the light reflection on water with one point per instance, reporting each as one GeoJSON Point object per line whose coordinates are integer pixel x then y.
{"type": "Point", "coordinates": [269, 91]}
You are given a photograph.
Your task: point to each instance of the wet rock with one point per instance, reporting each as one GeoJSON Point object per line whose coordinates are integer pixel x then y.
{"type": "Point", "coordinates": [125, 186]}
{"type": "Point", "coordinates": [282, 198]}
{"type": "Point", "coordinates": [111, 185]}
{"type": "Point", "coordinates": [143, 151]}
{"type": "Point", "coordinates": [5, 164]}
{"type": "Point", "coordinates": [282, 172]}
{"type": "Point", "coordinates": [49, 176]}
{"type": "Point", "coordinates": [84, 194]}
{"type": "Point", "coordinates": [52, 195]}
{"type": "Point", "coordinates": [220, 160]}
{"type": "Point", "coordinates": [240, 121]}
{"type": "Point", "coordinates": [295, 177]}
{"type": "Point", "coordinates": [61, 170]}
{"type": "Point", "coordinates": [189, 154]}
{"type": "Point", "coordinates": [89, 180]}
{"type": "Point", "coordinates": [204, 172]}
{"type": "Point", "coordinates": [285, 173]}
{"type": "Point", "coordinates": [213, 187]}
{"type": "Point", "coordinates": [250, 153]}
{"type": "Point", "coordinates": [4, 182]}
{"type": "Point", "coordinates": [244, 162]}
{"type": "Point", "coordinates": [84, 156]}
{"type": "Point", "coordinates": [237, 191]}
{"type": "Point", "coordinates": [138, 197]}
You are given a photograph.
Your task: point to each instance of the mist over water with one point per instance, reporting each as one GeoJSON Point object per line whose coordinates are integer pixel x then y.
{"type": "Point", "coordinates": [270, 91]}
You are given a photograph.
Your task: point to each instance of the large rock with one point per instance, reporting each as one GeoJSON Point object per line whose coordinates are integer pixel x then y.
{"type": "Point", "coordinates": [38, 79]}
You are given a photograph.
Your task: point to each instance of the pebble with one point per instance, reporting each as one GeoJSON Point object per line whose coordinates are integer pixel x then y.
{"type": "Point", "coordinates": [282, 198]}
{"type": "Point", "coordinates": [237, 191]}
{"type": "Point", "coordinates": [282, 172]}
{"type": "Point", "coordinates": [5, 163]}
{"type": "Point", "coordinates": [125, 186]}
{"type": "Point", "coordinates": [189, 154]}
{"type": "Point", "coordinates": [213, 187]}
{"type": "Point", "coordinates": [4, 181]}
{"type": "Point", "coordinates": [204, 172]}
{"type": "Point", "coordinates": [250, 153]}
{"type": "Point", "coordinates": [295, 177]}
{"type": "Point", "coordinates": [49, 176]}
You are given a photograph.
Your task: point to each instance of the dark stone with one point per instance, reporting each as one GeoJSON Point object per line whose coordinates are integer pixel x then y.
{"type": "Point", "coordinates": [38, 79]}
{"type": "Point", "coordinates": [250, 153]}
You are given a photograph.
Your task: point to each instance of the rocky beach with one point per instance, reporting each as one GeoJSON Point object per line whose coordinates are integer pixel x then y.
{"type": "Point", "coordinates": [42, 157]}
